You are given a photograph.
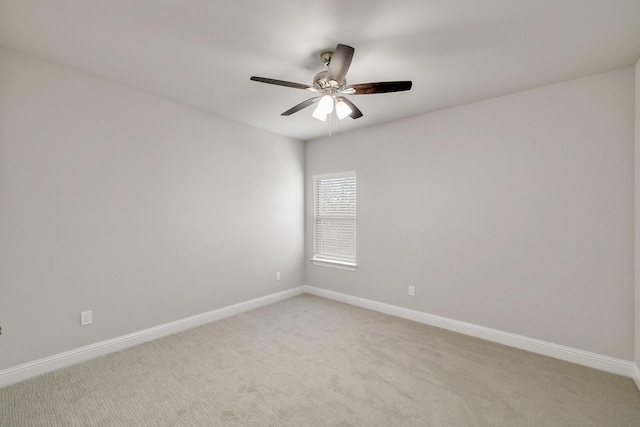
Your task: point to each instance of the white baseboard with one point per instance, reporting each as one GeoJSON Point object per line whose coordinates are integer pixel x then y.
{"type": "Point", "coordinates": [48, 364]}
{"type": "Point", "coordinates": [580, 357]}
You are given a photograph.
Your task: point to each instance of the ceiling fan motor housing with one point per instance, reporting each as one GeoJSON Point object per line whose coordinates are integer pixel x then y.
{"type": "Point", "coordinates": [320, 82]}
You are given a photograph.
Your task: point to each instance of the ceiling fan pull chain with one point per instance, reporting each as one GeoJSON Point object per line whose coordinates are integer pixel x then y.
{"type": "Point", "coordinates": [330, 123]}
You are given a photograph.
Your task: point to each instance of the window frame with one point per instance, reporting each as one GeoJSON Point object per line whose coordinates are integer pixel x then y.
{"type": "Point", "coordinates": [333, 262]}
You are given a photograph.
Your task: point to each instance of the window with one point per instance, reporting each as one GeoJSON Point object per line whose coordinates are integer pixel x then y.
{"type": "Point", "coordinates": [334, 220]}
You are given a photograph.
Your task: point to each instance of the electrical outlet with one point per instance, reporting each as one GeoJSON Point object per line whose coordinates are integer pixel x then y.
{"type": "Point", "coordinates": [86, 318]}
{"type": "Point", "coordinates": [278, 275]}
{"type": "Point", "coordinates": [412, 290]}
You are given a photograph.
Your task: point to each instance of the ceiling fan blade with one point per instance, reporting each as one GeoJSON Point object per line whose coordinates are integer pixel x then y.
{"type": "Point", "coordinates": [281, 83]}
{"type": "Point", "coordinates": [380, 87]}
{"type": "Point", "coordinates": [339, 64]}
{"type": "Point", "coordinates": [300, 106]}
{"type": "Point", "coordinates": [355, 111]}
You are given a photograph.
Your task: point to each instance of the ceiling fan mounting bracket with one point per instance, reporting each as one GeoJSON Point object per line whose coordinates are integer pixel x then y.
{"type": "Point", "coordinates": [325, 56]}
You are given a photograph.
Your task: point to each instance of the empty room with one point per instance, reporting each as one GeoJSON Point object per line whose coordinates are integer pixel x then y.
{"type": "Point", "coordinates": [338, 213]}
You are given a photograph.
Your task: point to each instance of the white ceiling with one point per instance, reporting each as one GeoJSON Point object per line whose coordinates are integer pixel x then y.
{"type": "Point", "coordinates": [202, 52]}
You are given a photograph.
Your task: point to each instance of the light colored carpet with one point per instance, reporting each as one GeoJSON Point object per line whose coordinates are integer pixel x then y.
{"type": "Point", "coordinates": [308, 361]}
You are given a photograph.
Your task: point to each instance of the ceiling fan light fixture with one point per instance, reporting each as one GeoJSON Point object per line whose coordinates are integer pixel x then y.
{"type": "Point", "coordinates": [319, 114]}
{"type": "Point", "coordinates": [343, 110]}
{"type": "Point", "coordinates": [326, 104]}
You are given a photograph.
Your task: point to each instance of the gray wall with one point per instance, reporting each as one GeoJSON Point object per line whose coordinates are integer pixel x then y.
{"type": "Point", "coordinates": [637, 216]}
{"type": "Point", "coordinates": [138, 208]}
{"type": "Point", "coordinates": [514, 213]}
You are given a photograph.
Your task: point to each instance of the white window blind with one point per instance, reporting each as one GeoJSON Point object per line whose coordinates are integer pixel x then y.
{"type": "Point", "coordinates": [334, 219]}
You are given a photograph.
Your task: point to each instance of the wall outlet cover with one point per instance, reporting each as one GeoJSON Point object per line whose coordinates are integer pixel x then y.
{"type": "Point", "coordinates": [86, 318]}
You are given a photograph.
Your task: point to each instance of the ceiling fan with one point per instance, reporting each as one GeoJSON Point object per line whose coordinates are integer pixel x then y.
{"type": "Point", "coordinates": [331, 86]}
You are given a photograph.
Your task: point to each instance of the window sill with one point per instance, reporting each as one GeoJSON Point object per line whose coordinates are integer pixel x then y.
{"type": "Point", "coordinates": [342, 265]}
